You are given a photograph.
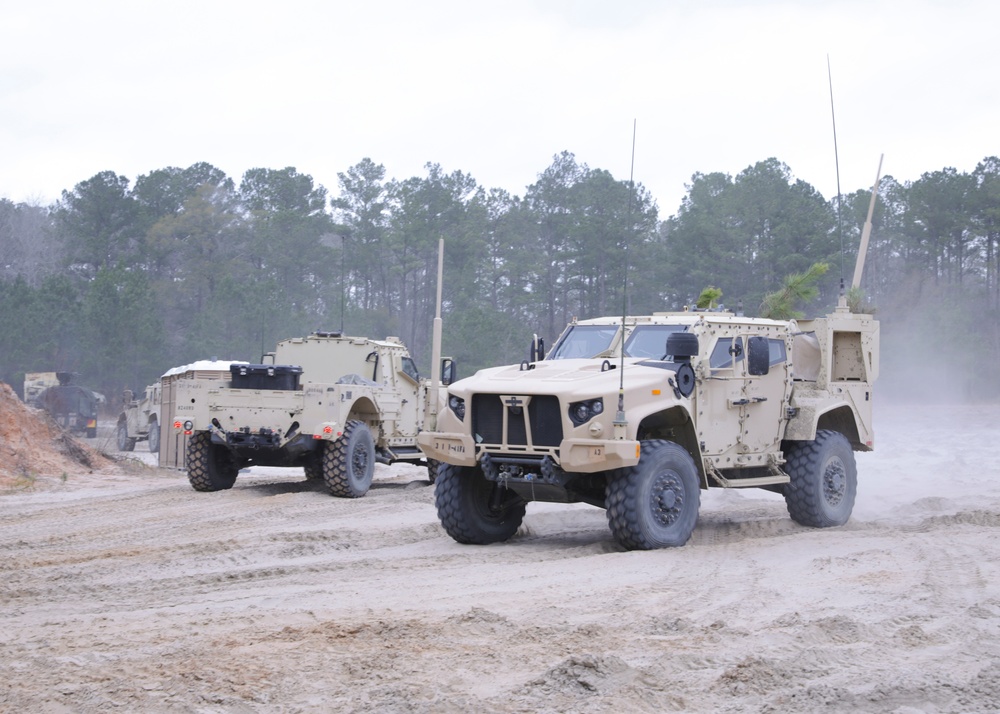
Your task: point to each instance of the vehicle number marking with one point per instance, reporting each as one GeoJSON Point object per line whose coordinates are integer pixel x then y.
{"type": "Point", "coordinates": [449, 447]}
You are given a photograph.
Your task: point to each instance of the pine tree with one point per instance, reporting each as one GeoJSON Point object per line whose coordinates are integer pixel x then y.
{"type": "Point", "coordinates": [797, 288]}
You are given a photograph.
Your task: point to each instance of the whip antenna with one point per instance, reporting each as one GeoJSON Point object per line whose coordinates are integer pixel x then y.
{"type": "Point", "coordinates": [836, 162]}
{"type": "Point", "coordinates": [620, 416]}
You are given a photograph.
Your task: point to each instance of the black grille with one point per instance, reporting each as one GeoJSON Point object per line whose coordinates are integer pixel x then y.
{"type": "Point", "coordinates": [542, 412]}
{"type": "Point", "coordinates": [546, 421]}
{"type": "Point", "coordinates": [516, 434]}
{"type": "Point", "coordinates": [487, 418]}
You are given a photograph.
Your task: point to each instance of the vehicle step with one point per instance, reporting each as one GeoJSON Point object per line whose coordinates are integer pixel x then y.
{"type": "Point", "coordinates": [750, 482]}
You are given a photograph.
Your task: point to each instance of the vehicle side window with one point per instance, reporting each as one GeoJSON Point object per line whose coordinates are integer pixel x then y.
{"type": "Point", "coordinates": [649, 341]}
{"type": "Point", "coordinates": [410, 369]}
{"type": "Point", "coordinates": [725, 351]}
{"type": "Point", "coordinates": [584, 341]}
{"type": "Point", "coordinates": [777, 351]}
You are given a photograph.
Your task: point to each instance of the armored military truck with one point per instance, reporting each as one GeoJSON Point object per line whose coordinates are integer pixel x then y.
{"type": "Point", "coordinates": [329, 403]}
{"type": "Point", "coordinates": [638, 414]}
{"type": "Point", "coordinates": [72, 406]}
{"type": "Point", "coordinates": [37, 382]}
{"type": "Point", "coordinates": [139, 419]}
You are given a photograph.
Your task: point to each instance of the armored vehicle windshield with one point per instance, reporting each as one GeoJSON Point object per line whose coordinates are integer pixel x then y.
{"type": "Point", "coordinates": [643, 341]}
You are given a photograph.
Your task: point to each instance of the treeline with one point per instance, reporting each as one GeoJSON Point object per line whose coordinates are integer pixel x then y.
{"type": "Point", "coordinates": [120, 282]}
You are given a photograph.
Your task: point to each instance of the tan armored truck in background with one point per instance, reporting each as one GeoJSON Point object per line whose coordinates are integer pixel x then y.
{"type": "Point", "coordinates": [73, 407]}
{"type": "Point", "coordinates": [139, 420]}
{"type": "Point", "coordinates": [37, 382]}
{"type": "Point", "coordinates": [331, 404]}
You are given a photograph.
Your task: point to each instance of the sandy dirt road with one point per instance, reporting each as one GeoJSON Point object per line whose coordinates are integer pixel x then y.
{"type": "Point", "coordinates": [129, 591]}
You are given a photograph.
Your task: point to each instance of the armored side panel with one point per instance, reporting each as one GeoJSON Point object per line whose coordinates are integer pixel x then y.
{"type": "Point", "coordinates": [327, 358]}
{"type": "Point", "coordinates": [833, 387]}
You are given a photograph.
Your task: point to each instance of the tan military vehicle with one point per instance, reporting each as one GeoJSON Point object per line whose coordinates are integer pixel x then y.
{"type": "Point", "coordinates": [139, 420]}
{"type": "Point", "coordinates": [37, 382]}
{"type": "Point", "coordinates": [73, 407]}
{"type": "Point", "coordinates": [638, 415]}
{"type": "Point", "coordinates": [332, 404]}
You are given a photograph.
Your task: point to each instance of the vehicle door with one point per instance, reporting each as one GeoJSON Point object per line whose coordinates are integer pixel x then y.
{"type": "Point", "coordinates": [411, 413]}
{"type": "Point", "coordinates": [766, 394]}
{"type": "Point", "coordinates": [741, 403]}
{"type": "Point", "coordinates": [718, 397]}
{"type": "Point", "coordinates": [402, 406]}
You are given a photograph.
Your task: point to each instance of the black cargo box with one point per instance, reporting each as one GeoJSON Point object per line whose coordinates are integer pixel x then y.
{"type": "Point", "coordinates": [265, 376]}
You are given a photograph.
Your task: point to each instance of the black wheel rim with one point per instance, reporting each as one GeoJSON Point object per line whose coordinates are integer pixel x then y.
{"type": "Point", "coordinates": [834, 482]}
{"type": "Point", "coordinates": [359, 463]}
{"type": "Point", "coordinates": [666, 498]}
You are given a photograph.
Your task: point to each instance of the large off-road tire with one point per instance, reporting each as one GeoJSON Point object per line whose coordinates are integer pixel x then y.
{"type": "Point", "coordinates": [125, 443]}
{"type": "Point", "coordinates": [154, 437]}
{"type": "Point", "coordinates": [432, 469]}
{"type": "Point", "coordinates": [474, 509]}
{"type": "Point", "coordinates": [824, 480]}
{"type": "Point", "coordinates": [654, 504]}
{"type": "Point", "coordinates": [210, 467]}
{"type": "Point", "coordinates": [349, 462]}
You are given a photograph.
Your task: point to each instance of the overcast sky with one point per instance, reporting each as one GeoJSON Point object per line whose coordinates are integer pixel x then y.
{"type": "Point", "coordinates": [494, 89]}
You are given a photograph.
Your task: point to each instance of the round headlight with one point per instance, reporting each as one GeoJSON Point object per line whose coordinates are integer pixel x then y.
{"type": "Point", "coordinates": [597, 406]}
{"type": "Point", "coordinates": [581, 413]}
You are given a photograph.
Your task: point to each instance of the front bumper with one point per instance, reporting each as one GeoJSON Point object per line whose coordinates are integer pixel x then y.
{"type": "Point", "coordinates": [573, 455]}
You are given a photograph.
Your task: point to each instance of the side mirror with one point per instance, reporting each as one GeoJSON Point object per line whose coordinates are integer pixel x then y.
{"type": "Point", "coordinates": [448, 371]}
{"type": "Point", "coordinates": [758, 356]}
{"type": "Point", "coordinates": [537, 352]}
{"type": "Point", "coordinates": [681, 346]}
